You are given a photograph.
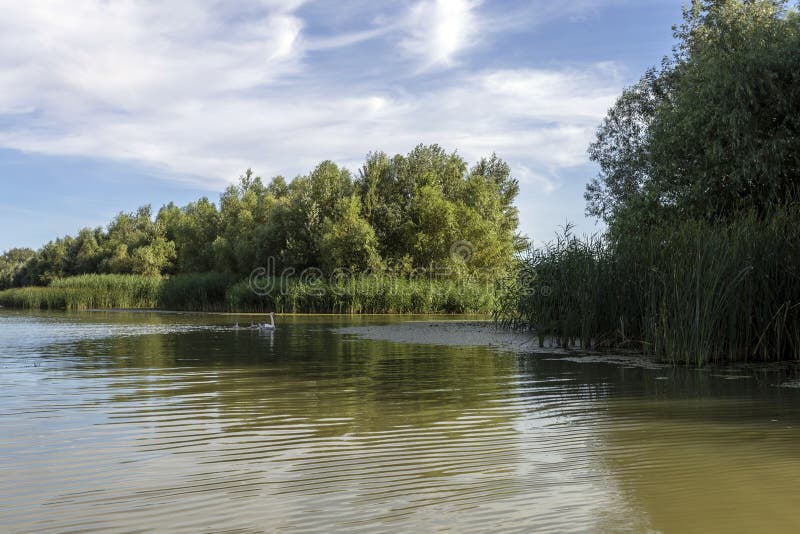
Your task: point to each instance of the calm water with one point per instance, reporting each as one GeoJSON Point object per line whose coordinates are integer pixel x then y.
{"type": "Point", "coordinates": [139, 421]}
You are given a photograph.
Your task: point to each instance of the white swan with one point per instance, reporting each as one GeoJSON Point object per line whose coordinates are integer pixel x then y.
{"type": "Point", "coordinates": [271, 325]}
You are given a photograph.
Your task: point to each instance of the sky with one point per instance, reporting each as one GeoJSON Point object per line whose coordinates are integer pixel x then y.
{"type": "Point", "coordinates": [107, 105]}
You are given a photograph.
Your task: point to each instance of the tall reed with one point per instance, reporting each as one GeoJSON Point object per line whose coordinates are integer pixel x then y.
{"type": "Point", "coordinates": [367, 294]}
{"type": "Point", "coordinates": [694, 292]}
{"type": "Point", "coordinates": [86, 292]}
{"type": "Point", "coordinates": [196, 292]}
{"type": "Point", "coordinates": [226, 292]}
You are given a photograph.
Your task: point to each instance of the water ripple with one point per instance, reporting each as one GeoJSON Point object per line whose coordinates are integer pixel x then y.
{"type": "Point", "coordinates": [152, 431]}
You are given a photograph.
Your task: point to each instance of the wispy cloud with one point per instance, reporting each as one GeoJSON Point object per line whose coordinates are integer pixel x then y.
{"type": "Point", "coordinates": [438, 30]}
{"type": "Point", "coordinates": [205, 90]}
{"type": "Point", "coordinates": [346, 39]}
{"type": "Point", "coordinates": [126, 55]}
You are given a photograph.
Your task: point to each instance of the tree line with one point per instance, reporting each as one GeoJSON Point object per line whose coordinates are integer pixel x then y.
{"type": "Point", "coordinates": [402, 214]}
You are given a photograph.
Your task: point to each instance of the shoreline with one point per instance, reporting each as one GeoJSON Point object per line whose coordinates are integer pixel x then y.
{"type": "Point", "coordinates": [467, 316]}
{"type": "Point", "coordinates": [471, 333]}
{"type": "Point", "coordinates": [477, 333]}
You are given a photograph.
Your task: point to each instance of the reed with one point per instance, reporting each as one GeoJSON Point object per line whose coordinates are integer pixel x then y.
{"type": "Point", "coordinates": [86, 292]}
{"type": "Point", "coordinates": [226, 292]}
{"type": "Point", "coordinates": [196, 292]}
{"type": "Point", "coordinates": [693, 293]}
{"type": "Point", "coordinates": [108, 291]}
{"type": "Point", "coordinates": [367, 294]}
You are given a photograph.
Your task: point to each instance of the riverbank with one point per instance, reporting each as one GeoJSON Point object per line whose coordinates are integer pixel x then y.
{"type": "Point", "coordinates": [487, 334]}
{"type": "Point", "coordinates": [225, 292]}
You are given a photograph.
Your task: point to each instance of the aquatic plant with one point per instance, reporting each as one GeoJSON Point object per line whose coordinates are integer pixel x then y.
{"type": "Point", "coordinates": [86, 292]}
{"type": "Point", "coordinates": [377, 293]}
{"type": "Point", "coordinates": [693, 292]}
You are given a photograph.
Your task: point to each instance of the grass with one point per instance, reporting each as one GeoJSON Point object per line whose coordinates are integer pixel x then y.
{"type": "Point", "coordinates": [692, 293]}
{"type": "Point", "coordinates": [86, 292]}
{"type": "Point", "coordinates": [371, 294]}
{"type": "Point", "coordinates": [196, 292]}
{"type": "Point", "coordinates": [227, 292]}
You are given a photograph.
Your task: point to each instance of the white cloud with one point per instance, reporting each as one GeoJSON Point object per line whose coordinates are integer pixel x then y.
{"type": "Point", "coordinates": [205, 90]}
{"type": "Point", "coordinates": [90, 54]}
{"type": "Point", "coordinates": [438, 30]}
{"type": "Point", "coordinates": [347, 39]}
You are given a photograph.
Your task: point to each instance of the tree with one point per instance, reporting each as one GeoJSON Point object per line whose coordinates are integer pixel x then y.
{"type": "Point", "coordinates": [153, 259]}
{"type": "Point", "coordinates": [715, 131]}
{"type": "Point", "coordinates": [487, 217]}
{"type": "Point", "coordinates": [13, 265]}
{"type": "Point", "coordinates": [621, 148]}
{"type": "Point", "coordinates": [193, 229]}
{"type": "Point", "coordinates": [436, 227]}
{"type": "Point", "coordinates": [403, 212]}
{"type": "Point", "coordinates": [243, 209]}
{"type": "Point", "coordinates": [348, 241]}
{"type": "Point", "coordinates": [497, 172]}
{"type": "Point", "coordinates": [51, 261]}
{"type": "Point", "coordinates": [387, 190]}
{"type": "Point", "coordinates": [294, 230]}
{"type": "Point", "coordinates": [729, 136]}
{"type": "Point", "coordinates": [86, 252]}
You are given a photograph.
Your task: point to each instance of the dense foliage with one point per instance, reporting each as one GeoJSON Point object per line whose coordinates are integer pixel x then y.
{"type": "Point", "coordinates": [401, 215]}
{"type": "Point", "coordinates": [699, 167]}
{"type": "Point", "coordinates": [226, 292]}
{"type": "Point", "coordinates": [692, 292]}
{"type": "Point", "coordinates": [715, 130]}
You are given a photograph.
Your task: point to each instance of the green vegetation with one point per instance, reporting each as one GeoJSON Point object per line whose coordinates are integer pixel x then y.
{"type": "Point", "coordinates": [698, 186]}
{"type": "Point", "coordinates": [226, 292]}
{"type": "Point", "coordinates": [400, 215]}
{"type": "Point", "coordinates": [87, 291]}
{"type": "Point", "coordinates": [691, 293]}
{"type": "Point", "coordinates": [421, 232]}
{"type": "Point", "coordinates": [714, 132]}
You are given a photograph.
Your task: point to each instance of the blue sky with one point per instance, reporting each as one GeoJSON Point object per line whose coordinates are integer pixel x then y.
{"type": "Point", "coordinates": [109, 105]}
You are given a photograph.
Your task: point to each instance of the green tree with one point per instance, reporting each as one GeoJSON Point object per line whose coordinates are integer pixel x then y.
{"type": "Point", "coordinates": [244, 207]}
{"type": "Point", "coordinates": [13, 264]}
{"type": "Point", "coordinates": [296, 230]}
{"type": "Point", "coordinates": [406, 212]}
{"type": "Point", "coordinates": [348, 241]}
{"type": "Point", "coordinates": [436, 224]}
{"type": "Point", "coordinates": [727, 138]}
{"type": "Point", "coordinates": [193, 229]}
{"type": "Point", "coordinates": [51, 261]}
{"type": "Point", "coordinates": [715, 131]}
{"type": "Point", "coordinates": [621, 148]}
{"type": "Point", "coordinates": [153, 259]}
{"type": "Point", "coordinates": [387, 191]}
{"type": "Point", "coordinates": [86, 251]}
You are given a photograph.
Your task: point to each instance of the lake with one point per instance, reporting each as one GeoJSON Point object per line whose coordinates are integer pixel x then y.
{"type": "Point", "coordinates": [131, 421]}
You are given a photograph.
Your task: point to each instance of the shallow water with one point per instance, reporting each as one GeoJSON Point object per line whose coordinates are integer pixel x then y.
{"type": "Point", "coordinates": [143, 421]}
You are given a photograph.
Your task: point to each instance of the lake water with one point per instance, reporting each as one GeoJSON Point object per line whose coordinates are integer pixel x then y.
{"type": "Point", "coordinates": [175, 422]}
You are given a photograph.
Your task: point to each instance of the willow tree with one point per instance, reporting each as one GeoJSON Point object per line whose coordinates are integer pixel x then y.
{"type": "Point", "coordinates": [715, 130]}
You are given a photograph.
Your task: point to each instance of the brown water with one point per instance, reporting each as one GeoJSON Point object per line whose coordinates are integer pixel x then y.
{"type": "Point", "coordinates": [141, 421]}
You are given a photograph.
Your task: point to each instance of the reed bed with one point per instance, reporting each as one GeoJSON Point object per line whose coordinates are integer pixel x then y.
{"type": "Point", "coordinates": [87, 292]}
{"type": "Point", "coordinates": [369, 294]}
{"type": "Point", "coordinates": [227, 292]}
{"type": "Point", "coordinates": [692, 293]}
{"type": "Point", "coordinates": [197, 292]}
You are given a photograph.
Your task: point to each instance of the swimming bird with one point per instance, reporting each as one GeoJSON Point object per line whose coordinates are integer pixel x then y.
{"type": "Point", "coordinates": [236, 325]}
{"type": "Point", "coordinates": [271, 325]}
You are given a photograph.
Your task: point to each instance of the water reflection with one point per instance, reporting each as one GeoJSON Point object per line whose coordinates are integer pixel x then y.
{"type": "Point", "coordinates": [147, 421]}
